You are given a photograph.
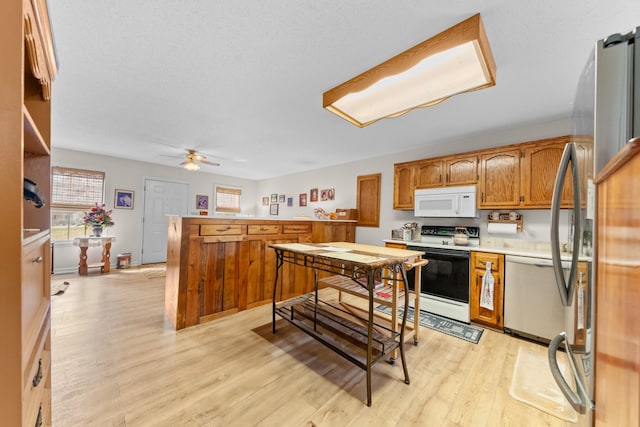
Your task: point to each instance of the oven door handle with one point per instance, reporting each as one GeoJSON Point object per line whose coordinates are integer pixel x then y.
{"type": "Point", "coordinates": [452, 253]}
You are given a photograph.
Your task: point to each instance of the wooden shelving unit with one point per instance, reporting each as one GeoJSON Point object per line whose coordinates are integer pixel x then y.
{"type": "Point", "coordinates": [26, 73]}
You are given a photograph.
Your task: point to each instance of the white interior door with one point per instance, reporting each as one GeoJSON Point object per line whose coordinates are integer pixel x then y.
{"type": "Point", "coordinates": [161, 198]}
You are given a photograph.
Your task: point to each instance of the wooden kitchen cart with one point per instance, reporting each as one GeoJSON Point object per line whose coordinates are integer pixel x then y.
{"type": "Point", "coordinates": [358, 336]}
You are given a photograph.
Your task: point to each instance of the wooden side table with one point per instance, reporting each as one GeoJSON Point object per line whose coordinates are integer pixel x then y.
{"type": "Point", "coordinates": [86, 242]}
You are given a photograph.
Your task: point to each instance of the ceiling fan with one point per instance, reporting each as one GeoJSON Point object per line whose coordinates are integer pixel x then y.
{"type": "Point", "coordinates": [193, 160]}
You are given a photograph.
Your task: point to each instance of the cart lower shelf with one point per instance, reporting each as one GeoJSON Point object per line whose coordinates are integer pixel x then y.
{"type": "Point", "coordinates": [338, 329]}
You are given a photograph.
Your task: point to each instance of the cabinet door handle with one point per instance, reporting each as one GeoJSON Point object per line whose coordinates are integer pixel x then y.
{"type": "Point", "coordinates": [37, 259]}
{"type": "Point", "coordinates": [38, 376]}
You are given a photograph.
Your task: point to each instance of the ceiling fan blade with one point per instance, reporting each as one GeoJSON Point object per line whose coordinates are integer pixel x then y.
{"type": "Point", "coordinates": [206, 162]}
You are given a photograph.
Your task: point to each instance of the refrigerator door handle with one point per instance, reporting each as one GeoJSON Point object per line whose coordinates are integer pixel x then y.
{"type": "Point", "coordinates": [566, 288]}
{"type": "Point", "coordinates": [577, 402]}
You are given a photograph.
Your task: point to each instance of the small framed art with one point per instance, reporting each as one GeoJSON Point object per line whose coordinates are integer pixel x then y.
{"type": "Point", "coordinates": [302, 199]}
{"type": "Point", "coordinates": [313, 195]}
{"type": "Point", "coordinates": [273, 209]}
{"type": "Point", "coordinates": [289, 201]}
{"type": "Point", "coordinates": [124, 199]}
{"type": "Point", "coordinates": [281, 198]}
{"type": "Point", "coordinates": [202, 202]}
{"type": "Point", "coordinates": [265, 201]}
{"type": "Point", "coordinates": [274, 198]}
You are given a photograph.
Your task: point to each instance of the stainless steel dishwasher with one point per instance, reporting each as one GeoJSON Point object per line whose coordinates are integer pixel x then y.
{"type": "Point", "coordinates": [532, 305]}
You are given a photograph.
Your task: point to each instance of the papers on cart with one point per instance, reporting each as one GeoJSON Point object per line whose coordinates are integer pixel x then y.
{"type": "Point", "coordinates": [297, 247]}
{"type": "Point", "coordinates": [350, 256]}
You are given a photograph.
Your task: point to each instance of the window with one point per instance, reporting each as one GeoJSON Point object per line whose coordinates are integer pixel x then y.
{"type": "Point", "coordinates": [73, 192]}
{"type": "Point", "coordinates": [228, 199]}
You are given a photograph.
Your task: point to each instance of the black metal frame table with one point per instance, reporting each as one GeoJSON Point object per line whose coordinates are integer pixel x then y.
{"type": "Point", "coordinates": [358, 339]}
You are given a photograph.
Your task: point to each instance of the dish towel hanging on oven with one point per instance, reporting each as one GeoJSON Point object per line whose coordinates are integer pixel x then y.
{"type": "Point", "coordinates": [486, 293]}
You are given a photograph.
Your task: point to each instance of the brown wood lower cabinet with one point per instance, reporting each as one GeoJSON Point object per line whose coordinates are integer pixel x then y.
{"type": "Point", "coordinates": [218, 267]}
{"type": "Point", "coordinates": [493, 318]}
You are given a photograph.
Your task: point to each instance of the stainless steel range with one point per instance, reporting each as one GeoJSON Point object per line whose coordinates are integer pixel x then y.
{"type": "Point", "coordinates": [444, 287]}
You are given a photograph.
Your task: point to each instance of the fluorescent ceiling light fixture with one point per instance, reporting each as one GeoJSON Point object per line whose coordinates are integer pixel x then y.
{"type": "Point", "coordinates": [455, 61]}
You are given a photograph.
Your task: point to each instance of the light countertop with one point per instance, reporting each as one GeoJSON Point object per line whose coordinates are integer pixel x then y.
{"type": "Point", "coordinates": [525, 249]}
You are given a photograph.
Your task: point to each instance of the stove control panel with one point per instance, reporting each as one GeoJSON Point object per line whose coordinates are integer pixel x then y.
{"type": "Point", "coordinates": [447, 231]}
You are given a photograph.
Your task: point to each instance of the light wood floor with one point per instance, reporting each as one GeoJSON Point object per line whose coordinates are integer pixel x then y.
{"type": "Point", "coordinates": [117, 362]}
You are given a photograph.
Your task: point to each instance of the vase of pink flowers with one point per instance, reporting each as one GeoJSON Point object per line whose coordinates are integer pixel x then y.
{"type": "Point", "coordinates": [98, 218]}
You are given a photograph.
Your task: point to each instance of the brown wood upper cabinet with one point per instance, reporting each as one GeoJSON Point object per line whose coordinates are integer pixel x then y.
{"type": "Point", "coordinates": [461, 170]}
{"type": "Point", "coordinates": [403, 185]}
{"type": "Point", "coordinates": [438, 172]}
{"type": "Point", "coordinates": [499, 185]}
{"type": "Point", "coordinates": [539, 167]}
{"type": "Point", "coordinates": [517, 176]}
{"type": "Point", "coordinates": [429, 174]}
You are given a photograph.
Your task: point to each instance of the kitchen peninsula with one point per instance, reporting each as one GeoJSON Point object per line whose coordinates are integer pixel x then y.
{"type": "Point", "coordinates": [220, 266]}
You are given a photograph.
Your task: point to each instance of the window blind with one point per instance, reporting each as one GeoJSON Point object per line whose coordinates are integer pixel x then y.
{"type": "Point", "coordinates": [228, 199]}
{"type": "Point", "coordinates": [76, 188]}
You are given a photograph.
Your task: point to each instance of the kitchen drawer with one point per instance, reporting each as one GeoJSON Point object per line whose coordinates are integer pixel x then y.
{"type": "Point", "coordinates": [296, 228]}
{"type": "Point", "coordinates": [37, 378]}
{"type": "Point", "coordinates": [220, 230]}
{"type": "Point", "coordinates": [264, 229]}
{"type": "Point", "coordinates": [495, 259]}
{"type": "Point", "coordinates": [35, 289]}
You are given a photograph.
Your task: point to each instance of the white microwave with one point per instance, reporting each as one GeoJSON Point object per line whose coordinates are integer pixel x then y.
{"type": "Point", "coordinates": [446, 202]}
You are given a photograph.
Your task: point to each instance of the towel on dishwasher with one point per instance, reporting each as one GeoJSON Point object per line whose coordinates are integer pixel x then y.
{"type": "Point", "coordinates": [486, 293]}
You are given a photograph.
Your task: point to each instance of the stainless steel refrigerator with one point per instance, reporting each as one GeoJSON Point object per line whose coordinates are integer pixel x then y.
{"type": "Point", "coordinates": [606, 114]}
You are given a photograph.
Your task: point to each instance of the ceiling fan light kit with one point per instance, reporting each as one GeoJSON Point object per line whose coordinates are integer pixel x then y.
{"type": "Point", "coordinates": [193, 160]}
{"type": "Point", "coordinates": [191, 165]}
{"type": "Point", "coordinates": [454, 61]}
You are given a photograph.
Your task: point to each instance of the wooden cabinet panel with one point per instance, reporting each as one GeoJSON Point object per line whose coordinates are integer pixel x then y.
{"type": "Point", "coordinates": [35, 289]}
{"type": "Point", "coordinates": [539, 168]}
{"type": "Point", "coordinates": [215, 275]}
{"type": "Point", "coordinates": [395, 245]}
{"type": "Point", "coordinates": [492, 318]}
{"type": "Point", "coordinates": [220, 230]}
{"type": "Point", "coordinates": [617, 294]}
{"type": "Point", "coordinates": [27, 68]}
{"type": "Point", "coordinates": [264, 229]}
{"type": "Point", "coordinates": [499, 185]}
{"type": "Point", "coordinates": [368, 200]}
{"type": "Point", "coordinates": [461, 170]}
{"type": "Point", "coordinates": [296, 228]}
{"type": "Point", "coordinates": [403, 186]}
{"type": "Point", "coordinates": [479, 262]}
{"type": "Point", "coordinates": [429, 174]}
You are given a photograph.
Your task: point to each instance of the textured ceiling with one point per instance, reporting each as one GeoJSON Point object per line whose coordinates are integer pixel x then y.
{"type": "Point", "coordinates": [242, 80]}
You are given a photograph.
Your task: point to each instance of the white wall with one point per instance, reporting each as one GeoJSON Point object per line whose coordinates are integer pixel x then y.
{"type": "Point", "coordinates": [130, 175]}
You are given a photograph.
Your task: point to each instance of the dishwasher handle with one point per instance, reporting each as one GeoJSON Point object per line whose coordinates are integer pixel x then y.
{"type": "Point", "coordinates": [538, 262]}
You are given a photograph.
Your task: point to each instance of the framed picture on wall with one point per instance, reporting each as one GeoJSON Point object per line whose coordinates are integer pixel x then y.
{"type": "Point", "coordinates": [281, 198]}
{"type": "Point", "coordinates": [289, 201]}
{"type": "Point", "coordinates": [202, 201]}
{"type": "Point", "coordinates": [265, 201]}
{"type": "Point", "coordinates": [303, 199]}
{"type": "Point", "coordinates": [274, 198]}
{"type": "Point", "coordinates": [313, 195]}
{"type": "Point", "coordinates": [273, 209]}
{"type": "Point", "coordinates": [331, 194]}
{"type": "Point", "coordinates": [324, 195]}
{"type": "Point", "coordinates": [123, 199]}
